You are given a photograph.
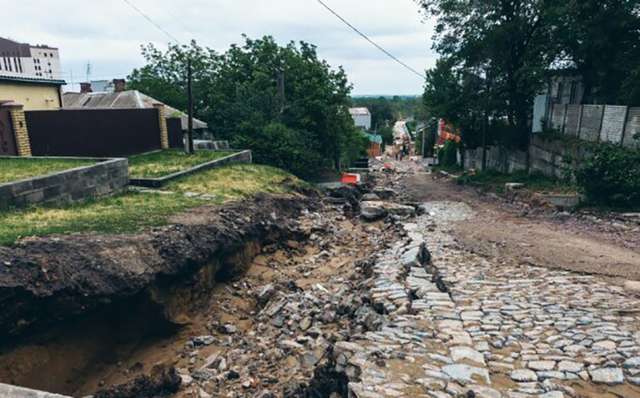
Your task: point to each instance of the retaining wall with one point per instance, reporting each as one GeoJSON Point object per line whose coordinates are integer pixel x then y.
{"type": "Point", "coordinates": [108, 176]}
{"type": "Point", "coordinates": [240, 157]}
{"type": "Point", "coordinates": [547, 156]}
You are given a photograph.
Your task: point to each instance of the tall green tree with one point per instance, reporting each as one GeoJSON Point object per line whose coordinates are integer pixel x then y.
{"type": "Point", "coordinates": [600, 40]}
{"type": "Point", "coordinates": [500, 41]}
{"type": "Point", "coordinates": [283, 102]}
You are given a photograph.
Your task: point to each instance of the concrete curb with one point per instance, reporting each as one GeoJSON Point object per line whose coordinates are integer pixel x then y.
{"type": "Point", "coordinates": [241, 157]}
{"type": "Point", "coordinates": [10, 391]}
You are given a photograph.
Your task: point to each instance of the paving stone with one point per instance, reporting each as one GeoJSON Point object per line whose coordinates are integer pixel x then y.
{"type": "Point", "coordinates": [460, 353]}
{"type": "Point", "coordinates": [524, 375]}
{"type": "Point", "coordinates": [569, 366]}
{"type": "Point", "coordinates": [466, 373]}
{"type": "Point", "coordinates": [607, 376]}
{"type": "Point", "coordinates": [541, 365]}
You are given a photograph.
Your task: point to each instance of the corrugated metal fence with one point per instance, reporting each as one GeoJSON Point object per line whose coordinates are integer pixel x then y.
{"type": "Point", "coordinates": [598, 123]}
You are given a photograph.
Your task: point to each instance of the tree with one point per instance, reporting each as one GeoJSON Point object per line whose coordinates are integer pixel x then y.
{"type": "Point", "coordinates": [600, 40]}
{"type": "Point", "coordinates": [283, 102]}
{"type": "Point", "coordinates": [164, 77]}
{"type": "Point", "coordinates": [498, 45]}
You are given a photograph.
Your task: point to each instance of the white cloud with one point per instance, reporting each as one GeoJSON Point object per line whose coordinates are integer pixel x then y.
{"type": "Point", "coordinates": [109, 33]}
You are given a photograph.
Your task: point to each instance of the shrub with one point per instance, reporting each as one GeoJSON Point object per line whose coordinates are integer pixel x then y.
{"type": "Point", "coordinates": [611, 176]}
{"type": "Point", "coordinates": [448, 155]}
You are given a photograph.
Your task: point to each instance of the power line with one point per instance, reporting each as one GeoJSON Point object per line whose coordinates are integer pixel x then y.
{"type": "Point", "coordinates": [379, 47]}
{"type": "Point", "coordinates": [151, 21]}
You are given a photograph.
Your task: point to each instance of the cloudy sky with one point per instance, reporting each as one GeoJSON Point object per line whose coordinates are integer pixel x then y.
{"type": "Point", "coordinates": [108, 33]}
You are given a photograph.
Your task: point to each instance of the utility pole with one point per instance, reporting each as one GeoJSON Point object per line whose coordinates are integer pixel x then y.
{"type": "Point", "coordinates": [485, 122]}
{"type": "Point", "coordinates": [424, 136]}
{"type": "Point", "coordinates": [190, 148]}
{"type": "Point", "coordinates": [281, 92]}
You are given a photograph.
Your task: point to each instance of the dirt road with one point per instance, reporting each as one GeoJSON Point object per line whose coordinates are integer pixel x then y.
{"type": "Point", "coordinates": [499, 231]}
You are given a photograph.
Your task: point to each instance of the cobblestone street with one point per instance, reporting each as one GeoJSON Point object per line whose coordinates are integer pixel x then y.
{"type": "Point", "coordinates": [463, 323]}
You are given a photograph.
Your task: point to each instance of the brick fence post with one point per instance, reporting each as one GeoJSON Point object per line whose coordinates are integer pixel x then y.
{"type": "Point", "coordinates": [164, 132]}
{"type": "Point", "coordinates": [20, 130]}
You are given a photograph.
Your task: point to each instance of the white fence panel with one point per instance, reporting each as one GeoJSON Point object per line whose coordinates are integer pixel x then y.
{"type": "Point", "coordinates": [591, 122]}
{"type": "Point", "coordinates": [632, 129]}
{"type": "Point", "coordinates": [613, 124]}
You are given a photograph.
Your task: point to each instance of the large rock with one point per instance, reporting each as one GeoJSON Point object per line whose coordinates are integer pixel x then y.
{"type": "Point", "coordinates": [372, 210]}
{"type": "Point", "coordinates": [370, 197]}
{"type": "Point", "coordinates": [384, 193]}
{"type": "Point", "coordinates": [400, 210]}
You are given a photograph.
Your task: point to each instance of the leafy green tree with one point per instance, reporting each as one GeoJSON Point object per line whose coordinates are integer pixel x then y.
{"type": "Point", "coordinates": [496, 44]}
{"type": "Point", "coordinates": [164, 77]}
{"type": "Point", "coordinates": [599, 39]}
{"type": "Point", "coordinates": [283, 102]}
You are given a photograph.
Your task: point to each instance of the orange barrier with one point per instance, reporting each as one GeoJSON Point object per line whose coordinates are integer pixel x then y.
{"type": "Point", "coordinates": [350, 178]}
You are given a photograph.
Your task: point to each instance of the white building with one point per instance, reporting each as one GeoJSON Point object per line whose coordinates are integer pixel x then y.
{"type": "Point", "coordinates": [26, 60]}
{"type": "Point", "coordinates": [361, 117]}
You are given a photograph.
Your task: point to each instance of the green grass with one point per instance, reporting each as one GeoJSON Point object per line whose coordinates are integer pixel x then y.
{"type": "Point", "coordinates": [132, 211]}
{"type": "Point", "coordinates": [19, 169]}
{"type": "Point", "coordinates": [120, 214]}
{"type": "Point", "coordinates": [169, 161]}
{"type": "Point", "coordinates": [495, 181]}
{"type": "Point", "coordinates": [235, 182]}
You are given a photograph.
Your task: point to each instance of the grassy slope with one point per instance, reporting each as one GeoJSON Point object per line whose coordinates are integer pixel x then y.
{"type": "Point", "coordinates": [18, 169]}
{"type": "Point", "coordinates": [162, 163]}
{"type": "Point", "coordinates": [129, 212]}
{"type": "Point", "coordinates": [234, 182]}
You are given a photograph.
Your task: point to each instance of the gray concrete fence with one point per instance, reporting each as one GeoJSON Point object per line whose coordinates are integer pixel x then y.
{"type": "Point", "coordinates": [613, 124]}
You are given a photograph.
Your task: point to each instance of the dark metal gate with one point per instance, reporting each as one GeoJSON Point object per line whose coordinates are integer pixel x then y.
{"type": "Point", "coordinates": [7, 137]}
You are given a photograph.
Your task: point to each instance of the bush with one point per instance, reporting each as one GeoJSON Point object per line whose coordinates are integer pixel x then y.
{"type": "Point", "coordinates": [611, 177]}
{"type": "Point", "coordinates": [448, 155]}
{"type": "Point", "coordinates": [279, 146]}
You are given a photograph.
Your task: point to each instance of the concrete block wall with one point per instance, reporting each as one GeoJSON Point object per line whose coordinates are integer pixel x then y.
{"type": "Point", "coordinates": [548, 157]}
{"type": "Point", "coordinates": [104, 178]}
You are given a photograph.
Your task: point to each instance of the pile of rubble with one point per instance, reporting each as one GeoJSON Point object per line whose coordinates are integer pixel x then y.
{"type": "Point", "coordinates": [282, 337]}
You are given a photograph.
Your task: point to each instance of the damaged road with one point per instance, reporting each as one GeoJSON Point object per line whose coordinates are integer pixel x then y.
{"type": "Point", "coordinates": [368, 293]}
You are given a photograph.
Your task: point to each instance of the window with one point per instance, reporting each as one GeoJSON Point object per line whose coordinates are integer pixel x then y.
{"type": "Point", "coordinates": [574, 89]}
{"type": "Point", "coordinates": [560, 90]}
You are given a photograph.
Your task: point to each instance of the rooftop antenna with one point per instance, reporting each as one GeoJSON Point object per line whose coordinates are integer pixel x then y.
{"type": "Point", "coordinates": [88, 71]}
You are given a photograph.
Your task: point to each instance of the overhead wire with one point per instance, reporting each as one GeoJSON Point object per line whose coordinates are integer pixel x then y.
{"type": "Point", "coordinates": [371, 41]}
{"type": "Point", "coordinates": [151, 21]}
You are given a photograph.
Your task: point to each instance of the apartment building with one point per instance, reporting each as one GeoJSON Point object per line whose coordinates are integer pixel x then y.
{"type": "Point", "coordinates": [30, 61]}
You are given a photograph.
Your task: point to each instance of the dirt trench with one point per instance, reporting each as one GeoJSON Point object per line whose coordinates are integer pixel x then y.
{"type": "Point", "coordinates": [82, 313]}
